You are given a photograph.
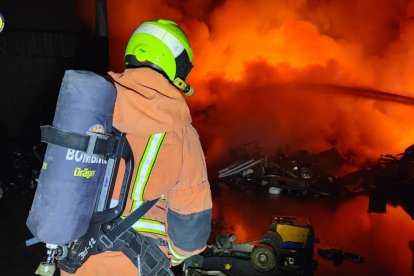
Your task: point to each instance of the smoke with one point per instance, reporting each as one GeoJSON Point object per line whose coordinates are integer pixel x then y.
{"type": "Point", "coordinates": [291, 74]}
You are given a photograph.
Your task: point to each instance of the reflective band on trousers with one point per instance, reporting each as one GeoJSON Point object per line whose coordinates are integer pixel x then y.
{"type": "Point", "coordinates": [142, 176]}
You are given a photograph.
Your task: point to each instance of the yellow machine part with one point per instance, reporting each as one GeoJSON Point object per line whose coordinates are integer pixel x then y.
{"type": "Point", "coordinates": [292, 233]}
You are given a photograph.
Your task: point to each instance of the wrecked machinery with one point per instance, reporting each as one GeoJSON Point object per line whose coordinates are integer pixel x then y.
{"type": "Point", "coordinates": [287, 249]}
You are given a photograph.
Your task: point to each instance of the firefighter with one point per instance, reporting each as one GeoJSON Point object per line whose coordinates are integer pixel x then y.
{"type": "Point", "coordinates": [169, 159]}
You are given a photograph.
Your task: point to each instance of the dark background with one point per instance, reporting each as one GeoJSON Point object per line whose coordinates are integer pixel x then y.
{"type": "Point", "coordinates": [40, 40]}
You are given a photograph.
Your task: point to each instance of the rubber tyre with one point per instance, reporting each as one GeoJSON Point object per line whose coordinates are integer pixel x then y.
{"type": "Point", "coordinates": [263, 258]}
{"type": "Point", "coordinates": [273, 239]}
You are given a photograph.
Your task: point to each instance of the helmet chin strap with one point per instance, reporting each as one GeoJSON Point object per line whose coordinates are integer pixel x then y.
{"type": "Point", "coordinates": [183, 86]}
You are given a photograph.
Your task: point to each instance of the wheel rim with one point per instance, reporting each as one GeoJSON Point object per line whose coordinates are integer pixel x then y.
{"type": "Point", "coordinates": [263, 257]}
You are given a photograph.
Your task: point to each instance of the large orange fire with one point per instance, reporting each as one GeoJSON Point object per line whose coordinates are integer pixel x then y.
{"type": "Point", "coordinates": [286, 73]}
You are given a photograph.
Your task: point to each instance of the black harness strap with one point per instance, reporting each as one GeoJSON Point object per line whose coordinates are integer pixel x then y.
{"type": "Point", "coordinates": [118, 235]}
{"type": "Point", "coordinates": [149, 259]}
{"type": "Point", "coordinates": [98, 144]}
{"type": "Point", "coordinates": [118, 229]}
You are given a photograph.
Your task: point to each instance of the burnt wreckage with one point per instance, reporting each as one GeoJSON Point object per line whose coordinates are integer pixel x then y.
{"type": "Point", "coordinates": [387, 180]}
{"type": "Point", "coordinates": [300, 172]}
{"type": "Point", "coordinates": [286, 249]}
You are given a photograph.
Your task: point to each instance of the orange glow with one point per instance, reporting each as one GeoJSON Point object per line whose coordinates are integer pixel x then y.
{"type": "Point", "coordinates": [381, 239]}
{"type": "Point", "coordinates": [269, 70]}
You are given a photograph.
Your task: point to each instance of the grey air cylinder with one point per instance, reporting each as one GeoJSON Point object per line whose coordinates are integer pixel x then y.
{"type": "Point", "coordinates": [69, 180]}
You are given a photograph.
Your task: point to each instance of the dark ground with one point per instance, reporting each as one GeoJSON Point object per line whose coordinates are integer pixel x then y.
{"type": "Point", "coordinates": [15, 258]}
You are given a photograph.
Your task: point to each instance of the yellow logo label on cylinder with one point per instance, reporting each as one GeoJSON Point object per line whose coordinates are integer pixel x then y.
{"type": "Point", "coordinates": [85, 173]}
{"type": "Point", "coordinates": [1, 22]}
{"type": "Point", "coordinates": [97, 128]}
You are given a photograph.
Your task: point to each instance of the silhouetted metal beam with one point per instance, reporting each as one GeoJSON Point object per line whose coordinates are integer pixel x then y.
{"type": "Point", "coordinates": [101, 19]}
{"type": "Point", "coordinates": [101, 37]}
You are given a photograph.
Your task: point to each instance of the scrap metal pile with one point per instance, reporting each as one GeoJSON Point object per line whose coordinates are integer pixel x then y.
{"type": "Point", "coordinates": [317, 174]}
{"type": "Point", "coordinates": [299, 173]}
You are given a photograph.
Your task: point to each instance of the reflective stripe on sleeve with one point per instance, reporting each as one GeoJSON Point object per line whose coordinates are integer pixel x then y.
{"type": "Point", "coordinates": [149, 226]}
{"type": "Point", "coordinates": [178, 257]}
{"type": "Point", "coordinates": [176, 262]}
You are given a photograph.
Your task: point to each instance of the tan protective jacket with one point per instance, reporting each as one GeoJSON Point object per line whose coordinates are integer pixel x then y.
{"type": "Point", "coordinates": [169, 163]}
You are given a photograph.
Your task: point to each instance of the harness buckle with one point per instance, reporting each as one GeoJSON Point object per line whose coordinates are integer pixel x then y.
{"type": "Point", "coordinates": [93, 138]}
{"type": "Point", "coordinates": [106, 241]}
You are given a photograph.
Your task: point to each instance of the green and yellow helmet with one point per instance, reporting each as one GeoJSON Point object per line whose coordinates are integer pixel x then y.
{"type": "Point", "coordinates": [163, 46]}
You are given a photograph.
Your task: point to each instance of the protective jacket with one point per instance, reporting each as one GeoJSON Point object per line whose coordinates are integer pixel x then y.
{"type": "Point", "coordinates": [169, 164]}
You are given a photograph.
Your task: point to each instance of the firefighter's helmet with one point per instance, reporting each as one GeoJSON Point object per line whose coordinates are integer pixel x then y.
{"type": "Point", "coordinates": [163, 46]}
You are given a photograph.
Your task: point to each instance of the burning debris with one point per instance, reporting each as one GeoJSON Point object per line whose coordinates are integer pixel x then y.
{"type": "Point", "coordinates": [322, 174]}
{"type": "Point", "coordinates": [299, 173]}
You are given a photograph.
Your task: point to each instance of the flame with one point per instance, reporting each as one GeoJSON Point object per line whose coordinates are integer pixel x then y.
{"type": "Point", "coordinates": [286, 73]}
